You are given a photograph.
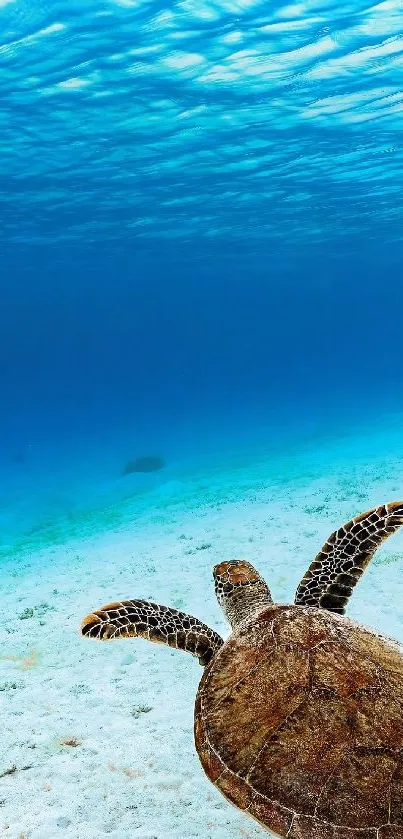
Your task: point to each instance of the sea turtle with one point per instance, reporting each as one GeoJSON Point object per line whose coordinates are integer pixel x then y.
{"type": "Point", "coordinates": [299, 713]}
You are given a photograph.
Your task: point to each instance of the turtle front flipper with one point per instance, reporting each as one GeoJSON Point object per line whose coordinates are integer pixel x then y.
{"type": "Point", "coordinates": [330, 579]}
{"type": "Point", "coordinates": [161, 624]}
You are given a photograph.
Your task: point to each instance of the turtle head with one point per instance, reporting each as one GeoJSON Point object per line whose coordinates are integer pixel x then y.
{"type": "Point", "coordinates": [240, 590]}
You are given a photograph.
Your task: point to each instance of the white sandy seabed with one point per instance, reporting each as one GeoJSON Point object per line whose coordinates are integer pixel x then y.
{"type": "Point", "coordinates": [97, 739]}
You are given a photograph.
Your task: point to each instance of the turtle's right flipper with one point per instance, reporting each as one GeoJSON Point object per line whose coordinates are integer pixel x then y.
{"type": "Point", "coordinates": [330, 579]}
{"type": "Point", "coordinates": [161, 624]}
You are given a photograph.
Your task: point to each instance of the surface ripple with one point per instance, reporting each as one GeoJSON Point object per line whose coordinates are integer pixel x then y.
{"type": "Point", "coordinates": [236, 119]}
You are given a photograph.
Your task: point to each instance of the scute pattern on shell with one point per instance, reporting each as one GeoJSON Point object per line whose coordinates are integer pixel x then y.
{"type": "Point", "coordinates": [299, 722]}
{"type": "Point", "coordinates": [161, 624]}
{"type": "Point", "coordinates": [330, 579]}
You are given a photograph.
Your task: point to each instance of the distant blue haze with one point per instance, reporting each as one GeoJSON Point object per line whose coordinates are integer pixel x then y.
{"type": "Point", "coordinates": [201, 225]}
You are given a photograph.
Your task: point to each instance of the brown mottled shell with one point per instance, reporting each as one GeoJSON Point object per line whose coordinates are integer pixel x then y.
{"type": "Point", "coordinates": [299, 722]}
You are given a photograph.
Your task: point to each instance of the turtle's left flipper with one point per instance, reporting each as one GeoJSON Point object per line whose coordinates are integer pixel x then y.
{"type": "Point", "coordinates": [330, 579]}
{"type": "Point", "coordinates": [161, 624]}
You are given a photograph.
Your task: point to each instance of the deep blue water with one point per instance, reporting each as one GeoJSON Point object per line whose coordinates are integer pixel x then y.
{"type": "Point", "coordinates": [201, 226]}
{"type": "Point", "coordinates": [201, 242]}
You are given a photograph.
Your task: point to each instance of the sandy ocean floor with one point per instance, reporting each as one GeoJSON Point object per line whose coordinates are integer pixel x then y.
{"type": "Point", "coordinates": [96, 739]}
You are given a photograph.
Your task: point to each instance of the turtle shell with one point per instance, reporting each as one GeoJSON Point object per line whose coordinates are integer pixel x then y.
{"type": "Point", "coordinates": [299, 722]}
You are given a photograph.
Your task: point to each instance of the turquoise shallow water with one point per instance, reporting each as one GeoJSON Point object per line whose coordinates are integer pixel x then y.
{"type": "Point", "coordinates": [54, 496]}
{"type": "Point", "coordinates": [127, 708]}
{"type": "Point", "coordinates": [200, 260]}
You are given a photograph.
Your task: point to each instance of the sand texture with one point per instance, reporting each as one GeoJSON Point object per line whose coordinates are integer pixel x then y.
{"type": "Point", "coordinates": [97, 739]}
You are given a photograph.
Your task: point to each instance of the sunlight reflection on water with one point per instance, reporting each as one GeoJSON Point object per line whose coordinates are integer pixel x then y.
{"type": "Point", "coordinates": [230, 119]}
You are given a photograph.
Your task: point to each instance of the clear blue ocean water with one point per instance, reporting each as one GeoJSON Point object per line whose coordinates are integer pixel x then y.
{"type": "Point", "coordinates": [201, 243]}
{"type": "Point", "coordinates": [201, 223]}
